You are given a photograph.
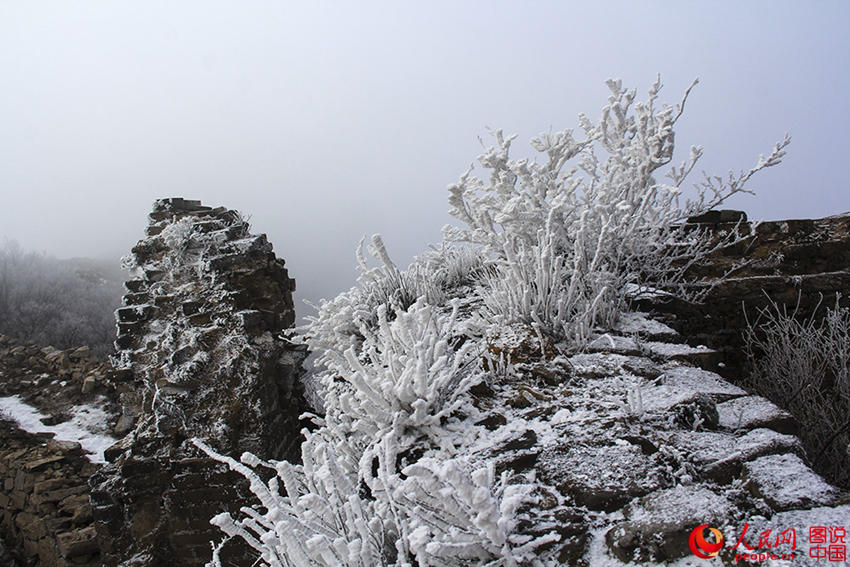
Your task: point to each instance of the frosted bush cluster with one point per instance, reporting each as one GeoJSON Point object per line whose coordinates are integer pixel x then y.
{"type": "Point", "coordinates": [361, 496]}
{"type": "Point", "coordinates": [553, 245]}
{"type": "Point", "coordinates": [804, 366]}
{"type": "Point", "coordinates": [63, 303]}
{"type": "Point", "coordinates": [437, 276]}
{"type": "Point", "coordinates": [573, 232]}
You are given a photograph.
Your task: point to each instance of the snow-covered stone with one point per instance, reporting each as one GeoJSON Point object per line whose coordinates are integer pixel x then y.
{"type": "Point", "coordinates": [614, 343]}
{"type": "Point", "coordinates": [701, 356]}
{"type": "Point", "coordinates": [688, 378]}
{"type": "Point", "coordinates": [657, 526]}
{"type": "Point", "coordinates": [751, 412]}
{"type": "Point", "coordinates": [720, 456]}
{"type": "Point", "coordinates": [641, 324]}
{"type": "Point", "coordinates": [785, 483]}
{"type": "Point", "coordinates": [600, 364]}
{"type": "Point", "coordinates": [600, 477]}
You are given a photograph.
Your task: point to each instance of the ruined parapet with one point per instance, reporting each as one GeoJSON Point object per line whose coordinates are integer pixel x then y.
{"type": "Point", "coordinates": [801, 264]}
{"type": "Point", "coordinates": [202, 349]}
{"type": "Point", "coordinates": [200, 332]}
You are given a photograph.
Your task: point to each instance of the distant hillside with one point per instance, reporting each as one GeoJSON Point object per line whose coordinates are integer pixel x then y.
{"type": "Point", "coordinates": [98, 271]}
{"type": "Point", "coordinates": [65, 303]}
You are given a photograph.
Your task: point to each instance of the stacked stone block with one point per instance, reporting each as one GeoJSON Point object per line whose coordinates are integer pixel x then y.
{"type": "Point", "coordinates": [202, 340]}
{"type": "Point", "coordinates": [801, 264]}
{"type": "Point", "coordinates": [46, 514]}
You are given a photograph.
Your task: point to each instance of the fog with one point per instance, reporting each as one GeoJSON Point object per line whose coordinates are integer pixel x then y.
{"type": "Point", "coordinates": [325, 122]}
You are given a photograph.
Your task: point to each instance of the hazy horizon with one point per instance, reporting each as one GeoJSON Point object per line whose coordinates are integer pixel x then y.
{"type": "Point", "coordinates": [328, 122]}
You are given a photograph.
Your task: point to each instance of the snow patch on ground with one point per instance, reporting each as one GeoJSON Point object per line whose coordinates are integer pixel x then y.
{"type": "Point", "coordinates": [88, 427]}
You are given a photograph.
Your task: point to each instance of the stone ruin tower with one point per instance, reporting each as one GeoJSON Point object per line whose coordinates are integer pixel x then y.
{"type": "Point", "coordinates": [203, 352]}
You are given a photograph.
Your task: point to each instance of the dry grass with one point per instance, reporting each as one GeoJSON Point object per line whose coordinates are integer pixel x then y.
{"type": "Point", "coordinates": [803, 365]}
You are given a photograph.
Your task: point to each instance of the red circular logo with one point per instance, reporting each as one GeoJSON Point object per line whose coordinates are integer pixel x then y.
{"type": "Point", "coordinates": [703, 548]}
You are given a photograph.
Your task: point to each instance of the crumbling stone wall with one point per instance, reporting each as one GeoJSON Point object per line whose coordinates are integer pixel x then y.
{"type": "Point", "coordinates": [46, 515]}
{"type": "Point", "coordinates": [47, 518]}
{"type": "Point", "coordinates": [202, 347]}
{"type": "Point", "coordinates": [801, 264]}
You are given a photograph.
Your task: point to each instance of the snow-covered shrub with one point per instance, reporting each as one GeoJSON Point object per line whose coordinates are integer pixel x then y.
{"type": "Point", "coordinates": [349, 503]}
{"type": "Point", "coordinates": [317, 519]}
{"type": "Point", "coordinates": [343, 322]}
{"type": "Point", "coordinates": [540, 284]}
{"type": "Point", "coordinates": [591, 220]}
{"type": "Point", "coordinates": [407, 375]}
{"type": "Point", "coordinates": [451, 267]}
{"type": "Point", "coordinates": [457, 518]}
{"type": "Point", "coordinates": [389, 286]}
{"type": "Point", "coordinates": [804, 366]}
{"type": "Point", "coordinates": [403, 381]}
{"type": "Point", "coordinates": [436, 512]}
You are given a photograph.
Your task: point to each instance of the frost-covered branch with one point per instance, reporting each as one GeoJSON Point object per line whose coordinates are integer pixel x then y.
{"type": "Point", "coordinates": [570, 241]}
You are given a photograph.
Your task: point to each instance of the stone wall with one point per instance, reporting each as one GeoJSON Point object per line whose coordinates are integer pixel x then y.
{"type": "Point", "coordinates": [635, 442]}
{"type": "Point", "coordinates": [47, 518]}
{"type": "Point", "coordinates": [203, 351]}
{"type": "Point", "coordinates": [46, 515]}
{"type": "Point", "coordinates": [800, 264]}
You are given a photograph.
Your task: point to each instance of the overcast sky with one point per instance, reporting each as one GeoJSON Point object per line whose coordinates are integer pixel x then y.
{"type": "Point", "coordinates": [328, 121]}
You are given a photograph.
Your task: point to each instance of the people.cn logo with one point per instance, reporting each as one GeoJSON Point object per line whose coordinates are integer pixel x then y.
{"type": "Point", "coordinates": [703, 548]}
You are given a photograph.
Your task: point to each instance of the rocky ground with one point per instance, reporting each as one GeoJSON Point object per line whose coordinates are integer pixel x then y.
{"type": "Point", "coordinates": [59, 383]}
{"type": "Point", "coordinates": [68, 397]}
